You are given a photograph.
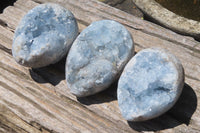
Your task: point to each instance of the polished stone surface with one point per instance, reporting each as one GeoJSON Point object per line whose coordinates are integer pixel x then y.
{"type": "Point", "coordinates": [44, 35]}
{"type": "Point", "coordinates": [150, 84]}
{"type": "Point", "coordinates": [97, 57]}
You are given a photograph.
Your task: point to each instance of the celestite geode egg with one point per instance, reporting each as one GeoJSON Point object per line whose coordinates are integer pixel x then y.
{"type": "Point", "coordinates": [150, 84]}
{"type": "Point", "coordinates": [97, 57]}
{"type": "Point", "coordinates": [44, 35]}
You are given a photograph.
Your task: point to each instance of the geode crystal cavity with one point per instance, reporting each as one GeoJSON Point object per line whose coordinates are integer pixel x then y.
{"type": "Point", "coordinates": [97, 57]}
{"type": "Point", "coordinates": [150, 84]}
{"type": "Point", "coordinates": [44, 35]}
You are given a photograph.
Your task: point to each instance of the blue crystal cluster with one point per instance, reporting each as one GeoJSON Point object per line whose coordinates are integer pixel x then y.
{"type": "Point", "coordinates": [44, 35]}
{"type": "Point", "coordinates": [97, 57]}
{"type": "Point", "coordinates": [150, 84]}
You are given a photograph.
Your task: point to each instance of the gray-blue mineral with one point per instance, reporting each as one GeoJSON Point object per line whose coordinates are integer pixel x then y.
{"type": "Point", "coordinates": [97, 57]}
{"type": "Point", "coordinates": [44, 35]}
{"type": "Point", "coordinates": [150, 84]}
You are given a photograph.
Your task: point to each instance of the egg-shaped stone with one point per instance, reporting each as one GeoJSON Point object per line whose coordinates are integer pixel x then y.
{"type": "Point", "coordinates": [97, 57]}
{"type": "Point", "coordinates": [150, 84]}
{"type": "Point", "coordinates": [44, 35]}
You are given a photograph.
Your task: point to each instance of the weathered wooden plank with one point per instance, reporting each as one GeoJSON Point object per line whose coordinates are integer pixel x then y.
{"type": "Point", "coordinates": [6, 118]}
{"type": "Point", "coordinates": [45, 107]}
{"type": "Point", "coordinates": [98, 113]}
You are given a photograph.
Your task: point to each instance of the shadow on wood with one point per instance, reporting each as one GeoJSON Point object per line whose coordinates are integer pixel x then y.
{"type": "Point", "coordinates": [5, 3]}
{"type": "Point", "coordinates": [181, 113]}
{"type": "Point", "coordinates": [53, 73]}
{"type": "Point", "coordinates": [107, 95]}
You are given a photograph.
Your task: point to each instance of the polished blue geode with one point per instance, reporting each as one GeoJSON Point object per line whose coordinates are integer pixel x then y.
{"type": "Point", "coordinates": [44, 35]}
{"type": "Point", "coordinates": [97, 57]}
{"type": "Point", "coordinates": [150, 84]}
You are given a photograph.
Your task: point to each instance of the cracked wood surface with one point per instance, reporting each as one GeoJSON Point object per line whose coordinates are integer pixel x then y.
{"type": "Point", "coordinates": [37, 100]}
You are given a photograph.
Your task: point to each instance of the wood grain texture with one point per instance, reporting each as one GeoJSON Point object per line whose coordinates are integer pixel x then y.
{"type": "Point", "coordinates": [37, 100]}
